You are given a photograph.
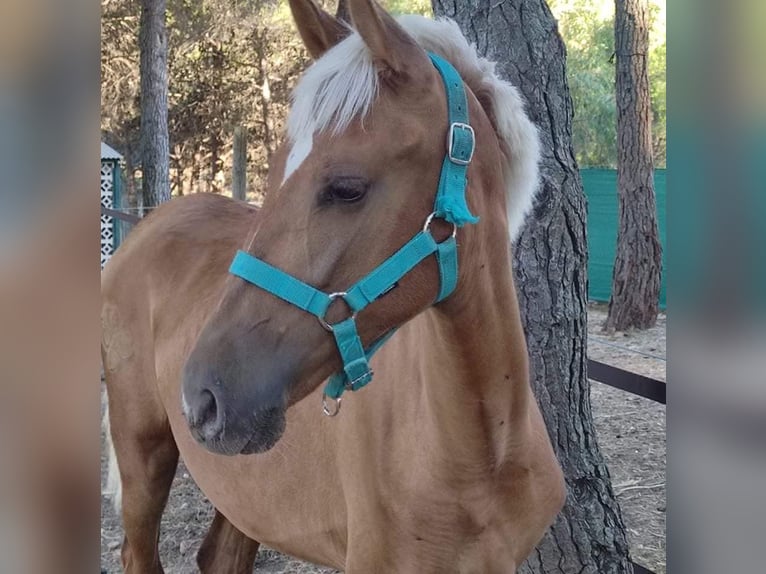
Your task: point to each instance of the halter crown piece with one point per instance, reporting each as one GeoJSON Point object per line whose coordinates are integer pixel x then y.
{"type": "Point", "coordinates": [450, 205]}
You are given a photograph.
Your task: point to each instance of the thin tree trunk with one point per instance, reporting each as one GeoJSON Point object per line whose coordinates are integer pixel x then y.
{"type": "Point", "coordinates": [155, 154]}
{"type": "Point", "coordinates": [634, 302]}
{"type": "Point", "coordinates": [176, 159]}
{"type": "Point", "coordinates": [263, 72]}
{"type": "Point", "coordinates": [239, 165]}
{"type": "Point", "coordinates": [342, 11]}
{"type": "Point", "coordinates": [196, 176]}
{"type": "Point", "coordinates": [130, 177]}
{"type": "Point", "coordinates": [215, 161]}
{"type": "Point", "coordinates": [550, 262]}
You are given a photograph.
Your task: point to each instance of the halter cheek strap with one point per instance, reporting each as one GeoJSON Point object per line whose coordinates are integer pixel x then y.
{"type": "Point", "coordinates": [450, 205]}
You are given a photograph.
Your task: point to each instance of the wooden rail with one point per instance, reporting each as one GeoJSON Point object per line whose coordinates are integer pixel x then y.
{"type": "Point", "coordinates": [121, 215]}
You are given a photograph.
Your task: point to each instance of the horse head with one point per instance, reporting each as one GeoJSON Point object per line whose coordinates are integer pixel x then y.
{"type": "Point", "coordinates": [354, 182]}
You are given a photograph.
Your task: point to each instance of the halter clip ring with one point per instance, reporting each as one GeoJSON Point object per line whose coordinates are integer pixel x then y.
{"type": "Point", "coordinates": [326, 409]}
{"type": "Point", "coordinates": [430, 218]}
{"type": "Point", "coordinates": [332, 297]}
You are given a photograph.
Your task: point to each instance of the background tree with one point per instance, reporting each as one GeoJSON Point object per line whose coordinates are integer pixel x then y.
{"type": "Point", "coordinates": [342, 11]}
{"type": "Point", "coordinates": [229, 64]}
{"type": "Point", "coordinates": [634, 302]}
{"type": "Point", "coordinates": [120, 80]}
{"type": "Point", "coordinates": [153, 44]}
{"type": "Point", "coordinates": [587, 27]}
{"type": "Point", "coordinates": [550, 262]}
{"type": "Point", "coordinates": [258, 56]}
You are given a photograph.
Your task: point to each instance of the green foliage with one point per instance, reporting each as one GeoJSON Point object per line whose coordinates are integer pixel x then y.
{"type": "Point", "coordinates": [657, 83]}
{"type": "Point", "coordinates": [587, 27]}
{"type": "Point", "coordinates": [422, 7]}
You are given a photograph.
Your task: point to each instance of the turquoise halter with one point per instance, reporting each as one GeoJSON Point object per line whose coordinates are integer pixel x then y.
{"type": "Point", "coordinates": [450, 205]}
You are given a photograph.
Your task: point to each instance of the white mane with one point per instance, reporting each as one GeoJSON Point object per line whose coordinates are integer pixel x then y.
{"type": "Point", "coordinates": [343, 84]}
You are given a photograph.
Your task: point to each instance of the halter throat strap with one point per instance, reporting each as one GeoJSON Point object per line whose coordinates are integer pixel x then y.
{"type": "Point", "coordinates": [450, 205]}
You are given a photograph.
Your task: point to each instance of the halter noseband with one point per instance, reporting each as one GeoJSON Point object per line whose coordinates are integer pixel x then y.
{"type": "Point", "coordinates": [450, 205]}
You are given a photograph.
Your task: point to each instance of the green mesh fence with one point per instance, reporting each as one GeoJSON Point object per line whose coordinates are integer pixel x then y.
{"type": "Point", "coordinates": [601, 190]}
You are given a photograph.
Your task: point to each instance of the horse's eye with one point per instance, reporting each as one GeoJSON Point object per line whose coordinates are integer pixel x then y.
{"type": "Point", "coordinates": [344, 190]}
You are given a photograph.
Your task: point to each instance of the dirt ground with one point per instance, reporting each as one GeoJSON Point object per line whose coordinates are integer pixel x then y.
{"type": "Point", "coordinates": [631, 433]}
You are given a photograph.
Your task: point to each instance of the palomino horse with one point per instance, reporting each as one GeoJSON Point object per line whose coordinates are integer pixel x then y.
{"type": "Point", "coordinates": [441, 463]}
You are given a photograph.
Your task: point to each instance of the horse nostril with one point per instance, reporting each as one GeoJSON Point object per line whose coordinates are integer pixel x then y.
{"type": "Point", "coordinates": [207, 418]}
{"type": "Point", "coordinates": [208, 408]}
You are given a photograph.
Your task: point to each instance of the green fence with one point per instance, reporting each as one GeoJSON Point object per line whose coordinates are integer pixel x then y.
{"type": "Point", "coordinates": [601, 190]}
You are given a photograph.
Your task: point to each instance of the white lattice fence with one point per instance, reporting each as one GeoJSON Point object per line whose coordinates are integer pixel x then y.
{"type": "Point", "coordinates": [107, 200]}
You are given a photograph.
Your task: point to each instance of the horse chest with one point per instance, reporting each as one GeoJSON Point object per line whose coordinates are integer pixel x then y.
{"type": "Point", "coordinates": [443, 532]}
{"type": "Point", "coordinates": [440, 515]}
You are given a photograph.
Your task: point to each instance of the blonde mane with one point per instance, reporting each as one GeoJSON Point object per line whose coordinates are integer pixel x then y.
{"type": "Point", "coordinates": [343, 84]}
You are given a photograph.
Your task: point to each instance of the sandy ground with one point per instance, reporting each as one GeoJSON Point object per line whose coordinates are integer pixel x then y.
{"type": "Point", "coordinates": [631, 433]}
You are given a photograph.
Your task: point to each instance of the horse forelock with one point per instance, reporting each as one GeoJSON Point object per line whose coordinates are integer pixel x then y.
{"type": "Point", "coordinates": [339, 87]}
{"type": "Point", "coordinates": [343, 84]}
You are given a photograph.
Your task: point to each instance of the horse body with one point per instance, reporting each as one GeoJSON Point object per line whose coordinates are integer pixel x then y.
{"type": "Point", "coordinates": [423, 472]}
{"type": "Point", "coordinates": [442, 464]}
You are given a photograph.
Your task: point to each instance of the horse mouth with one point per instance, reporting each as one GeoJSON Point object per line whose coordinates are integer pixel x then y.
{"type": "Point", "coordinates": [261, 435]}
{"type": "Point", "coordinates": [265, 436]}
{"type": "Point", "coordinates": [262, 444]}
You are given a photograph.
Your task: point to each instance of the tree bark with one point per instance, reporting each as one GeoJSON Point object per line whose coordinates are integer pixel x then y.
{"type": "Point", "coordinates": [342, 11]}
{"type": "Point", "coordinates": [239, 165]}
{"type": "Point", "coordinates": [260, 39]}
{"type": "Point", "coordinates": [550, 261]}
{"type": "Point", "coordinates": [215, 162]}
{"type": "Point", "coordinates": [155, 153]}
{"type": "Point", "coordinates": [634, 302]}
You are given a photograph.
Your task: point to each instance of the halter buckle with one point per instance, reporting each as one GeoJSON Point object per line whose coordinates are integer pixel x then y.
{"type": "Point", "coordinates": [364, 377]}
{"type": "Point", "coordinates": [332, 297]}
{"type": "Point", "coordinates": [462, 135]}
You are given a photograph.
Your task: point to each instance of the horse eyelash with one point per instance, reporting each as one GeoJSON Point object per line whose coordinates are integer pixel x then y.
{"type": "Point", "coordinates": [329, 194]}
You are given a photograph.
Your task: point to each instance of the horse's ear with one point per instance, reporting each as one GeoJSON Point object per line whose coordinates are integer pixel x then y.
{"type": "Point", "coordinates": [389, 43]}
{"type": "Point", "coordinates": [319, 30]}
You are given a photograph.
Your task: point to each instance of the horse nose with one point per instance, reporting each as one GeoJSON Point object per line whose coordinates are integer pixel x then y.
{"type": "Point", "coordinates": [204, 415]}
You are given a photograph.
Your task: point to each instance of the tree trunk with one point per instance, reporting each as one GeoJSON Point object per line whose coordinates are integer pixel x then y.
{"type": "Point", "coordinates": [196, 172]}
{"type": "Point", "coordinates": [239, 165]}
{"type": "Point", "coordinates": [634, 302]}
{"type": "Point", "coordinates": [261, 50]}
{"type": "Point", "coordinates": [177, 162]}
{"type": "Point", "coordinates": [342, 11]}
{"type": "Point", "coordinates": [215, 162]}
{"type": "Point", "coordinates": [550, 262]}
{"type": "Point", "coordinates": [132, 196]}
{"type": "Point", "coordinates": [155, 154]}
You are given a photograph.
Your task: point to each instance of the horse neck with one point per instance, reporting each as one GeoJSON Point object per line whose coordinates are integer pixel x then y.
{"type": "Point", "coordinates": [477, 393]}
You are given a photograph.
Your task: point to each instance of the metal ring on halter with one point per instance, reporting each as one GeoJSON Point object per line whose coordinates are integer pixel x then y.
{"type": "Point", "coordinates": [326, 409]}
{"type": "Point", "coordinates": [332, 297]}
{"type": "Point", "coordinates": [430, 218]}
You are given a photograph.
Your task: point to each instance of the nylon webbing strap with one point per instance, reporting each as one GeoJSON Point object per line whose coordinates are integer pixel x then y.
{"type": "Point", "coordinates": [355, 366]}
{"type": "Point", "coordinates": [279, 283]}
{"type": "Point", "coordinates": [450, 198]}
{"type": "Point", "coordinates": [450, 205]}
{"type": "Point", "coordinates": [337, 383]}
{"type": "Point", "coordinates": [446, 254]}
{"type": "Point", "coordinates": [383, 277]}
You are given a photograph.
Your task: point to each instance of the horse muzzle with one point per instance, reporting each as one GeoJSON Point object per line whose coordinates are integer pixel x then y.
{"type": "Point", "coordinates": [223, 430]}
{"type": "Point", "coordinates": [236, 404]}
